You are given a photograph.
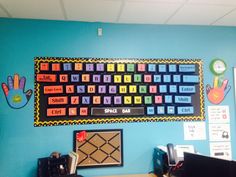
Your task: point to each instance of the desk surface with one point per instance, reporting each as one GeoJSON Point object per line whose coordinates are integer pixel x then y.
{"type": "Point", "coordinates": [132, 175]}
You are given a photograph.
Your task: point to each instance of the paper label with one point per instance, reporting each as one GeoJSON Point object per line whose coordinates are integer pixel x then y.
{"type": "Point", "coordinates": [221, 150]}
{"type": "Point", "coordinates": [219, 132]}
{"type": "Point", "coordinates": [194, 131]}
{"type": "Point", "coordinates": [218, 114]}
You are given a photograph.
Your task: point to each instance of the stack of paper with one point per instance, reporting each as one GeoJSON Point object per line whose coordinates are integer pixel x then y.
{"type": "Point", "coordinates": [73, 161]}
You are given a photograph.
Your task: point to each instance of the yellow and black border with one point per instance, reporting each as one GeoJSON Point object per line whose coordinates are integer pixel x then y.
{"type": "Point", "coordinates": [100, 120]}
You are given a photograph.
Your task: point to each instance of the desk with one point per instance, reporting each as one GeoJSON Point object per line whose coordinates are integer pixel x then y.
{"type": "Point", "coordinates": [132, 175]}
{"type": "Point", "coordinates": [70, 176]}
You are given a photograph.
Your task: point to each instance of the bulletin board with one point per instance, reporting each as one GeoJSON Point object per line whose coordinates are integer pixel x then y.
{"type": "Point", "coordinates": [106, 90]}
{"type": "Point", "coordinates": [100, 148]}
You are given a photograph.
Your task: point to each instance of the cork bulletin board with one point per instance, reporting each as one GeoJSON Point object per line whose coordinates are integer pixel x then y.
{"type": "Point", "coordinates": [100, 148]}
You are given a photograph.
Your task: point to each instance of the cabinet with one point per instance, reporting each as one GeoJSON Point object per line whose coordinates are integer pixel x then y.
{"type": "Point", "coordinates": [54, 167]}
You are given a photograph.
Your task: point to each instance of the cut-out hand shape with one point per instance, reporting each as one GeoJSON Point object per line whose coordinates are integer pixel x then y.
{"type": "Point", "coordinates": [217, 94]}
{"type": "Point", "coordinates": [14, 92]}
{"type": "Point", "coordinates": [81, 136]}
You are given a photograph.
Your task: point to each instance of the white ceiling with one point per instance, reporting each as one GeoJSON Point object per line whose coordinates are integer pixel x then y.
{"type": "Point", "coordinates": [184, 12]}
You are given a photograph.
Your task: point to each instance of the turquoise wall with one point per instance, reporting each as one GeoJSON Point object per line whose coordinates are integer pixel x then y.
{"type": "Point", "coordinates": [21, 40]}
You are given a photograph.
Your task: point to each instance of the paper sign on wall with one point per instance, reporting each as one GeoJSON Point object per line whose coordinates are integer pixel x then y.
{"type": "Point", "coordinates": [194, 131]}
{"type": "Point", "coordinates": [218, 114]}
{"type": "Point", "coordinates": [219, 132]}
{"type": "Point", "coordinates": [221, 150]}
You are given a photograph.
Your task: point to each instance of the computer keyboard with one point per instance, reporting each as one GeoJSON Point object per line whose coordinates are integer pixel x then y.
{"type": "Point", "coordinates": [83, 90]}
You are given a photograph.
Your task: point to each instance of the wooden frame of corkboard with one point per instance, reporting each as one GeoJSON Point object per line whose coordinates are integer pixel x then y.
{"type": "Point", "coordinates": [101, 148]}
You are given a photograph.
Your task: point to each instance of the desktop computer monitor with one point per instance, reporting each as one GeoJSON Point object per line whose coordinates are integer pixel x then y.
{"type": "Point", "coordinates": [196, 165]}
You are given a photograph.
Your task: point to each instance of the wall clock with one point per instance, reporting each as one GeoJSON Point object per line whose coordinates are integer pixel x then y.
{"type": "Point", "coordinates": [218, 67]}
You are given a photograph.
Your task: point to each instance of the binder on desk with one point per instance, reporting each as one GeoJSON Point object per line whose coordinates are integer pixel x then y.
{"type": "Point", "coordinates": [73, 161]}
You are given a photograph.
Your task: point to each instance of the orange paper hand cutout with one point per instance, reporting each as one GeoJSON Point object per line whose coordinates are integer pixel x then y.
{"type": "Point", "coordinates": [217, 94]}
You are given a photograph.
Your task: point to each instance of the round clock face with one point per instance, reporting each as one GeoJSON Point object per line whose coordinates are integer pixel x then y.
{"type": "Point", "coordinates": [218, 66]}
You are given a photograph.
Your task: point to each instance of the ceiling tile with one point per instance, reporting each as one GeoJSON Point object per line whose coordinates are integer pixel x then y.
{"type": "Point", "coordinates": [159, 1]}
{"type": "Point", "coordinates": [199, 14]}
{"type": "Point", "coordinates": [216, 2]}
{"type": "Point", "coordinates": [147, 13]}
{"type": "Point", "coordinates": [2, 13]}
{"type": "Point", "coordinates": [92, 10]}
{"type": "Point", "coordinates": [39, 9]}
{"type": "Point", "coordinates": [228, 20]}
